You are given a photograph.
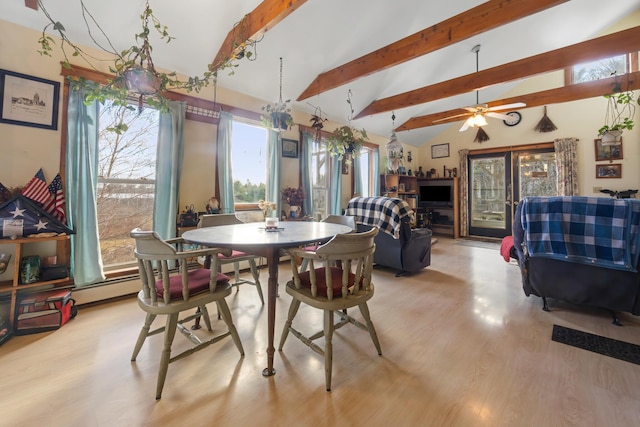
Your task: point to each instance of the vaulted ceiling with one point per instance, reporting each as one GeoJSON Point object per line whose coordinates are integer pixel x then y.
{"type": "Point", "coordinates": [410, 57]}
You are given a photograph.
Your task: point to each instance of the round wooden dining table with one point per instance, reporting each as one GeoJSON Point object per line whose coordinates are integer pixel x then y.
{"type": "Point", "coordinates": [253, 238]}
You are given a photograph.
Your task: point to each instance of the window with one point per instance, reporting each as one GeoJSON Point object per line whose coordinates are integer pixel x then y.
{"type": "Point", "coordinates": [367, 172]}
{"type": "Point", "coordinates": [600, 69]}
{"type": "Point", "coordinates": [249, 162]}
{"type": "Point", "coordinates": [320, 179]}
{"type": "Point", "coordinates": [126, 180]}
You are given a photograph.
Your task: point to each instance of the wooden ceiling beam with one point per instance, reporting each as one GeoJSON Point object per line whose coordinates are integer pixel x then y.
{"type": "Point", "coordinates": [552, 96]}
{"type": "Point", "coordinates": [482, 18]}
{"type": "Point", "coordinates": [254, 24]}
{"type": "Point", "coordinates": [32, 4]}
{"type": "Point", "coordinates": [618, 43]}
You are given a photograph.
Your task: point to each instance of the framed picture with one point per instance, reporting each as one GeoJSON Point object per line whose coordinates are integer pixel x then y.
{"type": "Point", "coordinates": [439, 150]}
{"type": "Point", "coordinates": [28, 100]}
{"type": "Point", "coordinates": [608, 151]}
{"type": "Point", "coordinates": [289, 148]}
{"type": "Point", "coordinates": [613, 170]}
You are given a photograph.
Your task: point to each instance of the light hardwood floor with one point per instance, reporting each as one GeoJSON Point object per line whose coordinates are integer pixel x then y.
{"type": "Point", "coordinates": [462, 346]}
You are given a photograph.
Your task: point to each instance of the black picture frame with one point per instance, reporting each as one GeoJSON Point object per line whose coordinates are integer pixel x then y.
{"type": "Point", "coordinates": [28, 101]}
{"type": "Point", "coordinates": [290, 148]}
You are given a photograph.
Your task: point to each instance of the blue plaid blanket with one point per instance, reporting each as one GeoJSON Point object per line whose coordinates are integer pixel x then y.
{"type": "Point", "coordinates": [592, 230]}
{"type": "Point", "coordinates": [385, 212]}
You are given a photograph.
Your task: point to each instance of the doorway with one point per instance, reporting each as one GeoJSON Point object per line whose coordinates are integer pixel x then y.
{"type": "Point", "coordinates": [499, 179]}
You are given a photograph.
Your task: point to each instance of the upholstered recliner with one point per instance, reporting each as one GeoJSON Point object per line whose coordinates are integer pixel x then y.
{"type": "Point", "coordinates": [583, 250]}
{"type": "Point", "coordinates": [398, 246]}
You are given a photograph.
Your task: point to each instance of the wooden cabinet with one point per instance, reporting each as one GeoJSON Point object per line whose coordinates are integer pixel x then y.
{"type": "Point", "coordinates": [443, 218]}
{"type": "Point", "coordinates": [400, 186]}
{"type": "Point", "coordinates": [23, 247]}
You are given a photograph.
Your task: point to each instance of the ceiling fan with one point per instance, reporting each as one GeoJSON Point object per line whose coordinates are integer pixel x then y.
{"type": "Point", "coordinates": [479, 111]}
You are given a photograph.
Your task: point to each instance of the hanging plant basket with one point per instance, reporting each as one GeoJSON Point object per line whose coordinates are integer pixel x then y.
{"type": "Point", "coordinates": [142, 81]}
{"type": "Point", "coordinates": [611, 137]}
{"type": "Point", "coordinates": [281, 120]}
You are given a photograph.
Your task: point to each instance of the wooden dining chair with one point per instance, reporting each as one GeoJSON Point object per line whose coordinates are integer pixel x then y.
{"type": "Point", "coordinates": [215, 220]}
{"type": "Point", "coordinates": [349, 221]}
{"type": "Point", "coordinates": [167, 290]}
{"type": "Point", "coordinates": [333, 289]}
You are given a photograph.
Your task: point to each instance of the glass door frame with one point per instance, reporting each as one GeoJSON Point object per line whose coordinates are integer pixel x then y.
{"type": "Point", "coordinates": [514, 152]}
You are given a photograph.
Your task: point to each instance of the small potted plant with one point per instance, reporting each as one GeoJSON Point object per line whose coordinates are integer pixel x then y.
{"type": "Point", "coordinates": [621, 109]}
{"type": "Point", "coordinates": [277, 116]}
{"type": "Point", "coordinates": [346, 142]}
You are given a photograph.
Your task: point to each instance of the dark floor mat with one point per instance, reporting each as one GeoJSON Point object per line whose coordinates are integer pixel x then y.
{"type": "Point", "coordinates": [602, 345]}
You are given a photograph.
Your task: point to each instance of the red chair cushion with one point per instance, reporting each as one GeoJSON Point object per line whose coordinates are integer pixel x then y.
{"type": "Point", "coordinates": [198, 282]}
{"type": "Point", "coordinates": [321, 282]}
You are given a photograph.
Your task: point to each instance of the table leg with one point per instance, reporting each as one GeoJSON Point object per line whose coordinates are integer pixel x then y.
{"type": "Point", "coordinates": [273, 257]}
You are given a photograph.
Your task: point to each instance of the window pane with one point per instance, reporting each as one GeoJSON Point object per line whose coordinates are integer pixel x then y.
{"type": "Point", "coordinates": [600, 69]}
{"type": "Point", "coordinates": [249, 162]}
{"type": "Point", "coordinates": [366, 173]}
{"type": "Point", "coordinates": [126, 180]}
{"type": "Point", "coordinates": [320, 179]}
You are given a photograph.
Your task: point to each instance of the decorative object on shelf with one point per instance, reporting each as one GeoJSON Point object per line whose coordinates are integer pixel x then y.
{"type": "Point", "coordinates": [4, 262]}
{"type": "Point", "coordinates": [545, 124]}
{"type": "Point", "coordinates": [346, 141]}
{"type": "Point", "coordinates": [25, 218]}
{"type": "Point", "coordinates": [420, 173]}
{"type": "Point", "coordinates": [29, 269]}
{"type": "Point", "coordinates": [278, 115]}
{"type": "Point", "coordinates": [213, 206]}
{"type": "Point", "coordinates": [626, 194]}
{"type": "Point", "coordinates": [621, 108]}
{"type": "Point", "coordinates": [28, 100]}
{"type": "Point", "coordinates": [289, 148]}
{"type": "Point", "coordinates": [133, 68]}
{"type": "Point", "coordinates": [613, 170]}
{"type": "Point", "coordinates": [439, 150]}
{"type": "Point", "coordinates": [608, 150]}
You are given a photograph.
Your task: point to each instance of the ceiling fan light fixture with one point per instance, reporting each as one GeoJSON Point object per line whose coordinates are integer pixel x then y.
{"type": "Point", "coordinates": [479, 120]}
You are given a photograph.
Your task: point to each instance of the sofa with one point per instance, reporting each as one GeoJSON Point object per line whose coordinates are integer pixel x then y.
{"type": "Point", "coordinates": [398, 246]}
{"type": "Point", "coordinates": [583, 250]}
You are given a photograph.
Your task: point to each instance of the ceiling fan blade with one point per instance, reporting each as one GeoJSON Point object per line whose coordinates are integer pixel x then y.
{"type": "Point", "coordinates": [467, 124]}
{"type": "Point", "coordinates": [498, 116]}
{"type": "Point", "coordinates": [464, 127]}
{"type": "Point", "coordinates": [476, 108]}
{"type": "Point", "coordinates": [507, 106]}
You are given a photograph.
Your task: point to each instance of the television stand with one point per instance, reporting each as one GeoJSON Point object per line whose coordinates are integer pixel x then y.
{"type": "Point", "coordinates": [443, 218]}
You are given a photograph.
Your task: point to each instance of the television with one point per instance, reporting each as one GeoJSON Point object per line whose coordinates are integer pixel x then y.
{"type": "Point", "coordinates": [436, 195]}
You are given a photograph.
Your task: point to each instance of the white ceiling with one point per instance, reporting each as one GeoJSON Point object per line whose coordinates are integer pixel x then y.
{"type": "Point", "coordinates": [323, 34]}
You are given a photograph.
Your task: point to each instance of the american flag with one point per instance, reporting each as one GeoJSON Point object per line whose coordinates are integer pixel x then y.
{"type": "Point", "coordinates": [55, 205]}
{"type": "Point", "coordinates": [37, 189]}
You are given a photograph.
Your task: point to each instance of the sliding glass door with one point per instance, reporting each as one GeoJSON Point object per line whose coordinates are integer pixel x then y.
{"type": "Point", "coordinates": [490, 194]}
{"type": "Point", "coordinates": [498, 180]}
